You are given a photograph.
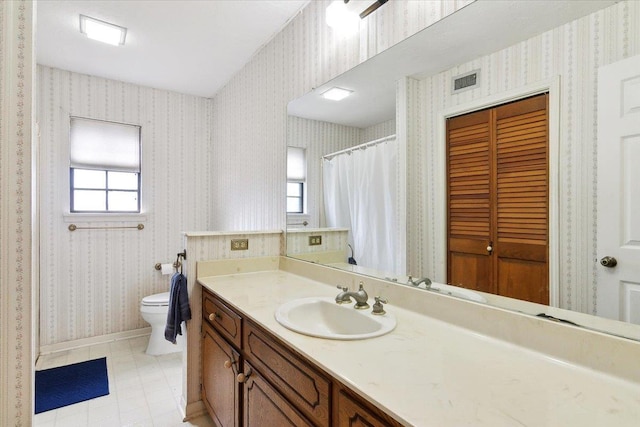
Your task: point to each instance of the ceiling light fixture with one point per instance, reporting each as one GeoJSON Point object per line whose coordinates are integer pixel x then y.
{"type": "Point", "coordinates": [341, 17]}
{"type": "Point", "coordinates": [102, 31]}
{"type": "Point", "coordinates": [336, 93]}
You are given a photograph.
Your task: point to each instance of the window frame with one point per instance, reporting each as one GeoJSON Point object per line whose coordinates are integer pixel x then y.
{"type": "Point", "coordinates": [301, 197]}
{"type": "Point", "coordinates": [299, 178]}
{"type": "Point", "coordinates": [105, 190]}
{"type": "Point", "coordinates": [105, 215]}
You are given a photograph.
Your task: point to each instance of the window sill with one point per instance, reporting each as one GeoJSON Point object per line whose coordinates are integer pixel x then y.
{"type": "Point", "coordinates": [100, 217]}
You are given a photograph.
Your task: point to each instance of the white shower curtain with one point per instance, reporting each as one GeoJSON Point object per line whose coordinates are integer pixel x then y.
{"type": "Point", "coordinates": [361, 193]}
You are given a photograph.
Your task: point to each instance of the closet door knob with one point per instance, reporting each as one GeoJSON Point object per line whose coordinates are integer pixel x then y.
{"type": "Point", "coordinates": [490, 247]}
{"type": "Point", "coordinates": [228, 364]}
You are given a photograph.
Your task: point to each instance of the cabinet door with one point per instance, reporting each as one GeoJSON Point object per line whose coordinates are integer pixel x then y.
{"type": "Point", "coordinates": [354, 413]}
{"type": "Point", "coordinates": [220, 390]}
{"type": "Point", "coordinates": [264, 406]}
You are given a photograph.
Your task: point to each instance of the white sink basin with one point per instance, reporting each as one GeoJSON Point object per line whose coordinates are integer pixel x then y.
{"type": "Point", "coordinates": [322, 317]}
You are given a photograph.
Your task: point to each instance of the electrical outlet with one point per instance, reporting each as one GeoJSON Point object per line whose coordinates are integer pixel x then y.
{"type": "Point", "coordinates": [315, 240]}
{"type": "Point", "coordinates": [239, 244]}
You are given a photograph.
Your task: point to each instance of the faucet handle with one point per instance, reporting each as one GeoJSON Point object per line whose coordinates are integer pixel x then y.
{"type": "Point", "coordinates": [342, 297]}
{"type": "Point", "coordinates": [378, 308]}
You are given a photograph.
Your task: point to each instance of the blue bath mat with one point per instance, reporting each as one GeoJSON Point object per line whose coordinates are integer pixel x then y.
{"type": "Point", "coordinates": [66, 385]}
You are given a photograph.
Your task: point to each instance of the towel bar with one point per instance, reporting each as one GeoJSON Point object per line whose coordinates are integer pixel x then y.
{"type": "Point", "coordinates": [73, 227]}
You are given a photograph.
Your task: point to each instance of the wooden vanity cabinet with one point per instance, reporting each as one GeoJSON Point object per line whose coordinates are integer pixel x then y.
{"type": "Point", "coordinates": [252, 379]}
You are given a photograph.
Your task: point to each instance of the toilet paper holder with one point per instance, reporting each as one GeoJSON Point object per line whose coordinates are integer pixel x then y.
{"type": "Point", "coordinates": [177, 264]}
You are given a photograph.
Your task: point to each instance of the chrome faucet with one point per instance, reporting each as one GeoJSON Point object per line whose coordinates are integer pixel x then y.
{"type": "Point", "coordinates": [416, 283]}
{"type": "Point", "coordinates": [360, 296]}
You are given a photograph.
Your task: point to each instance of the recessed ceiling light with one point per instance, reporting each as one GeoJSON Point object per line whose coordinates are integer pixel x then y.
{"type": "Point", "coordinates": [336, 93]}
{"type": "Point", "coordinates": [102, 31]}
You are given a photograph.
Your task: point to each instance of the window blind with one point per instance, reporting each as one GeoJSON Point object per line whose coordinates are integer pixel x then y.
{"type": "Point", "coordinates": [296, 164]}
{"type": "Point", "coordinates": [97, 144]}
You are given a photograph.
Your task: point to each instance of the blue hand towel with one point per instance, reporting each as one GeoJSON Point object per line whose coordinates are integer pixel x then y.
{"type": "Point", "coordinates": [179, 309]}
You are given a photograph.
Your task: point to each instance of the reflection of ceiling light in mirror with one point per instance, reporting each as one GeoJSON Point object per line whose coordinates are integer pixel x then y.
{"type": "Point", "coordinates": [336, 93]}
{"type": "Point", "coordinates": [341, 18]}
{"type": "Point", "coordinates": [102, 31]}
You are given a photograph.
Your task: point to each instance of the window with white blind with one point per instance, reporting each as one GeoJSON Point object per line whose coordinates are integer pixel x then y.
{"type": "Point", "coordinates": [104, 168]}
{"type": "Point", "coordinates": [296, 179]}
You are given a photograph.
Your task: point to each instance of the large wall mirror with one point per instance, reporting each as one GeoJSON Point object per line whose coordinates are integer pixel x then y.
{"type": "Point", "coordinates": [382, 152]}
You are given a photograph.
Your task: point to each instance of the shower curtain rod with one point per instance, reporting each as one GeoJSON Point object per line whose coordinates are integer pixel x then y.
{"type": "Point", "coordinates": [359, 147]}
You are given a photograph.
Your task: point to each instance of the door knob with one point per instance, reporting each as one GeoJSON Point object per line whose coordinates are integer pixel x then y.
{"type": "Point", "coordinates": [609, 262]}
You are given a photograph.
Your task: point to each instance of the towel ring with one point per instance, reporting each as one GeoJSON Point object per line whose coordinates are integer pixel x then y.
{"type": "Point", "coordinates": [182, 255]}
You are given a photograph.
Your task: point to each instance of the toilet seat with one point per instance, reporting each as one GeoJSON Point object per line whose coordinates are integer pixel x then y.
{"type": "Point", "coordinates": [156, 300]}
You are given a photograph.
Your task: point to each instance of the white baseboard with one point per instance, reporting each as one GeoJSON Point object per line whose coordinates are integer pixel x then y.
{"type": "Point", "coordinates": [100, 339]}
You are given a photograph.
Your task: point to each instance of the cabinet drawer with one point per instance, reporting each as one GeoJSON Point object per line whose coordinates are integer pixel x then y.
{"type": "Point", "coordinates": [292, 375]}
{"type": "Point", "coordinates": [222, 318]}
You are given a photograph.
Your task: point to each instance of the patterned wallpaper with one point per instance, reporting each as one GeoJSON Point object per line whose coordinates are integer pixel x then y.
{"type": "Point", "coordinates": [207, 164]}
{"type": "Point", "coordinates": [16, 63]}
{"type": "Point", "coordinates": [220, 164]}
{"type": "Point", "coordinates": [92, 281]}
{"type": "Point", "coordinates": [249, 113]}
{"type": "Point", "coordinates": [574, 52]}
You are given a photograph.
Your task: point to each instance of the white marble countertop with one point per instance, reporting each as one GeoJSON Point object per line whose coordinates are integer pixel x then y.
{"type": "Point", "coordinates": [431, 373]}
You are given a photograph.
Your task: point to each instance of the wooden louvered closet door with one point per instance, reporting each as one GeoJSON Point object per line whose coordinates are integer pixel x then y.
{"type": "Point", "coordinates": [498, 200]}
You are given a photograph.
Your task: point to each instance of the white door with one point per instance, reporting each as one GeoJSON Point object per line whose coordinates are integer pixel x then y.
{"type": "Point", "coordinates": [618, 294]}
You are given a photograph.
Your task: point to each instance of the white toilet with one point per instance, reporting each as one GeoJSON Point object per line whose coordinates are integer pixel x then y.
{"type": "Point", "coordinates": [154, 309]}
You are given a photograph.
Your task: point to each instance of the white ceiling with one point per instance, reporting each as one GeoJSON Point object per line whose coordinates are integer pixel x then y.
{"type": "Point", "coordinates": [191, 47]}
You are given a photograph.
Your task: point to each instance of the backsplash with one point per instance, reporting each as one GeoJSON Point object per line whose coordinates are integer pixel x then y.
{"type": "Point", "coordinates": [92, 281]}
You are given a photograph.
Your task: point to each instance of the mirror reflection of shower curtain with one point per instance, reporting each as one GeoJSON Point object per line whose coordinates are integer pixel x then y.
{"type": "Point", "coordinates": [361, 193]}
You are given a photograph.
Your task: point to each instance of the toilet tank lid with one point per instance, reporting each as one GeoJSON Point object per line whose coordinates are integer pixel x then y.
{"type": "Point", "coordinates": [162, 298]}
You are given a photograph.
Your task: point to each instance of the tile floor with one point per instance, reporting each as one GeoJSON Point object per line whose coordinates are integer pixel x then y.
{"type": "Point", "coordinates": [143, 390]}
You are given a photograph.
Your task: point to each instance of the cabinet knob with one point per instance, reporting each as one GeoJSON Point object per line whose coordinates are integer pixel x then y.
{"type": "Point", "coordinates": [244, 377]}
{"type": "Point", "coordinates": [214, 316]}
{"type": "Point", "coordinates": [228, 364]}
